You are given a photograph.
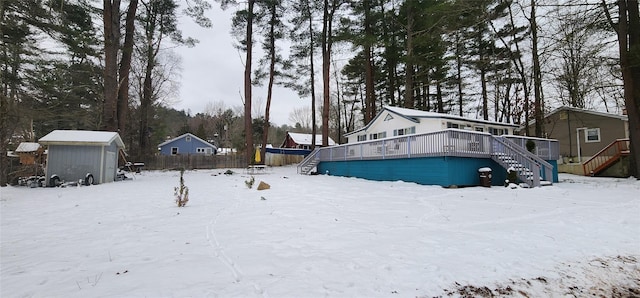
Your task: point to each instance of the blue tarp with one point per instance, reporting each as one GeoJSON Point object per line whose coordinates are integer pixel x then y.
{"type": "Point", "coordinates": [288, 151]}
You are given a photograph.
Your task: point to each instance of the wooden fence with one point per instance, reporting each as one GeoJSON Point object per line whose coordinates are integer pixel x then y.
{"type": "Point", "coordinates": [194, 161]}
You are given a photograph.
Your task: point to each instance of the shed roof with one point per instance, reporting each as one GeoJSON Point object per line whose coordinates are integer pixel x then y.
{"type": "Point", "coordinates": [184, 135]}
{"type": "Point", "coordinates": [27, 147]}
{"type": "Point", "coordinates": [82, 137]}
{"type": "Point", "coordinates": [305, 138]}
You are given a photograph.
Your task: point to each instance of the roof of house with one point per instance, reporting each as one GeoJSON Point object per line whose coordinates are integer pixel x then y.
{"type": "Point", "coordinates": [566, 108]}
{"type": "Point", "coordinates": [305, 138]}
{"type": "Point", "coordinates": [27, 147]}
{"type": "Point", "coordinates": [184, 135]}
{"type": "Point", "coordinates": [81, 137]}
{"type": "Point", "coordinates": [415, 115]}
{"type": "Point", "coordinates": [603, 114]}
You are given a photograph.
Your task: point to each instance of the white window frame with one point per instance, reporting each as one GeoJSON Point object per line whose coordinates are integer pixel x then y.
{"type": "Point", "coordinates": [404, 131]}
{"type": "Point", "coordinates": [453, 125]}
{"type": "Point", "coordinates": [586, 135]}
{"type": "Point", "coordinates": [175, 151]}
{"type": "Point", "coordinates": [361, 138]}
{"type": "Point", "coordinates": [201, 150]}
{"type": "Point", "coordinates": [187, 139]}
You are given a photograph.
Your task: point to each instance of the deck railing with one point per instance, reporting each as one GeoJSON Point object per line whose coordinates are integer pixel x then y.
{"type": "Point", "coordinates": [449, 142]}
{"type": "Point", "coordinates": [530, 168]}
{"type": "Point", "coordinates": [606, 157]}
{"type": "Point", "coordinates": [546, 149]}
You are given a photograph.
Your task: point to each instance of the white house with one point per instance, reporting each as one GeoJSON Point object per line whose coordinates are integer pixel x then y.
{"type": "Point", "coordinates": [395, 121]}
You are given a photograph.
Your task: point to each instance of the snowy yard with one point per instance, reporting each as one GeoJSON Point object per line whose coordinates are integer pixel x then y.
{"type": "Point", "coordinates": [317, 236]}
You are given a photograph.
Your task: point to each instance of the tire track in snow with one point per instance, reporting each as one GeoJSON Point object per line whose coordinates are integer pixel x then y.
{"type": "Point", "coordinates": [218, 250]}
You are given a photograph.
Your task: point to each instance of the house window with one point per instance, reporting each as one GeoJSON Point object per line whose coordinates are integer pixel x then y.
{"type": "Point", "coordinates": [452, 125]}
{"type": "Point", "coordinates": [362, 138]}
{"type": "Point", "coordinates": [496, 131]}
{"type": "Point", "coordinates": [187, 139]}
{"type": "Point", "coordinates": [380, 135]}
{"type": "Point", "coordinates": [592, 135]}
{"type": "Point", "coordinates": [479, 128]}
{"type": "Point", "coordinates": [174, 150]}
{"type": "Point", "coordinates": [201, 150]}
{"type": "Point", "coordinates": [404, 131]}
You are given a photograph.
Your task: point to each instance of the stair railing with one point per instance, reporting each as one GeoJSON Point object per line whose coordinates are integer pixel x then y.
{"type": "Point", "coordinates": [605, 157]}
{"type": "Point", "coordinates": [311, 158]}
{"type": "Point", "coordinates": [503, 147]}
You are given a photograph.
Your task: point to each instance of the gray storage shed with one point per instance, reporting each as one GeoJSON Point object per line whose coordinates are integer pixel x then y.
{"type": "Point", "coordinates": [80, 155]}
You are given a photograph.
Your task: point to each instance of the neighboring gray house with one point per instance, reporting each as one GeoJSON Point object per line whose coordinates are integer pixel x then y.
{"type": "Point", "coordinates": [78, 155]}
{"type": "Point", "coordinates": [187, 143]}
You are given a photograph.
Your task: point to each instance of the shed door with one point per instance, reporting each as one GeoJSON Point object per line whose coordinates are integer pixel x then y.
{"type": "Point", "coordinates": [110, 167]}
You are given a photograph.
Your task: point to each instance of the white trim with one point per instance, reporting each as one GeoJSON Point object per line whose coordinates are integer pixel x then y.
{"type": "Point", "coordinates": [586, 135]}
{"type": "Point", "coordinates": [171, 150]}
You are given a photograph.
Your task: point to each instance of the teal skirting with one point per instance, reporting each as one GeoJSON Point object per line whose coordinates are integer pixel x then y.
{"type": "Point", "coordinates": [442, 170]}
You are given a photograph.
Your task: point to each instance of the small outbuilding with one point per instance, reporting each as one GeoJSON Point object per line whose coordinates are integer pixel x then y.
{"type": "Point", "coordinates": [187, 143]}
{"type": "Point", "coordinates": [77, 155]}
{"type": "Point", "coordinates": [30, 153]}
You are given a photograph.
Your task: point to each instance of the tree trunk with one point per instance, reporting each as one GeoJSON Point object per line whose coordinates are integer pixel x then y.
{"type": "Point", "coordinates": [248, 129]}
{"type": "Point", "coordinates": [629, 45]}
{"type": "Point", "coordinates": [111, 21]}
{"type": "Point", "coordinates": [125, 67]}
{"type": "Point", "coordinates": [370, 97]}
{"type": "Point", "coordinates": [459, 73]}
{"type": "Point", "coordinates": [327, 40]}
{"type": "Point", "coordinates": [314, 130]}
{"type": "Point", "coordinates": [272, 71]}
{"type": "Point", "coordinates": [145, 101]}
{"type": "Point", "coordinates": [537, 76]}
{"type": "Point", "coordinates": [408, 87]}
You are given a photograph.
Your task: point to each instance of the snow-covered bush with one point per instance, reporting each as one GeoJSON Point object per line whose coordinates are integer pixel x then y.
{"type": "Point", "coordinates": [182, 191]}
{"type": "Point", "coordinates": [512, 176]}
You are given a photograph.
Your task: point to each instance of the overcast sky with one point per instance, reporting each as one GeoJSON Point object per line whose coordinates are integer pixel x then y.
{"type": "Point", "coordinates": [213, 71]}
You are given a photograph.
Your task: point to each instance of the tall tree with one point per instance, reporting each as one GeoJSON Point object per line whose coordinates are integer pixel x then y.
{"type": "Point", "coordinates": [326, 40]}
{"type": "Point", "coordinates": [538, 109]}
{"type": "Point", "coordinates": [111, 22]}
{"type": "Point", "coordinates": [304, 39]}
{"type": "Point", "coordinates": [273, 28]}
{"type": "Point", "coordinates": [628, 31]}
{"type": "Point", "coordinates": [158, 21]}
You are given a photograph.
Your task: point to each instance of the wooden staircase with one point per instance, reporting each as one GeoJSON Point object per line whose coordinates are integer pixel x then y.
{"type": "Point", "coordinates": [530, 169]}
{"type": "Point", "coordinates": [309, 163]}
{"type": "Point", "coordinates": [606, 157]}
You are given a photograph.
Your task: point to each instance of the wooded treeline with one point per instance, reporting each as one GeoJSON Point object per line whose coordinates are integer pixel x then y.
{"type": "Point", "coordinates": [76, 64]}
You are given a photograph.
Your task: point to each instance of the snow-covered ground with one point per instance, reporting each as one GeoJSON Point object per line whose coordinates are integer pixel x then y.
{"type": "Point", "coordinates": [317, 236]}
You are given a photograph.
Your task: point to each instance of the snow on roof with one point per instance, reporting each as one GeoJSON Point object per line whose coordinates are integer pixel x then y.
{"type": "Point", "coordinates": [184, 135]}
{"type": "Point", "coordinates": [424, 114]}
{"type": "Point", "coordinates": [305, 138]}
{"type": "Point", "coordinates": [413, 115]}
{"type": "Point", "coordinates": [28, 147]}
{"type": "Point", "coordinates": [81, 137]}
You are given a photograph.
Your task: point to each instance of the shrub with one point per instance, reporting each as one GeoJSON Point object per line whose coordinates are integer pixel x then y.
{"type": "Point", "coordinates": [250, 182]}
{"type": "Point", "coordinates": [531, 146]}
{"type": "Point", "coordinates": [182, 191]}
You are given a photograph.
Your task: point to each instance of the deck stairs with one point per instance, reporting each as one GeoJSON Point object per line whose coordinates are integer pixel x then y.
{"type": "Point", "coordinates": [606, 157]}
{"type": "Point", "coordinates": [309, 163]}
{"type": "Point", "coordinates": [530, 169]}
